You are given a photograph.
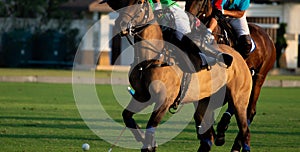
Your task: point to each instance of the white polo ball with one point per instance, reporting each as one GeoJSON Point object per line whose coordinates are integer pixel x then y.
{"type": "Point", "coordinates": [85, 147]}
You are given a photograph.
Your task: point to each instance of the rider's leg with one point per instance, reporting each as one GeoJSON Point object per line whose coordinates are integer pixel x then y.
{"type": "Point", "coordinates": [244, 45]}
{"type": "Point", "coordinates": [183, 28]}
{"type": "Point", "coordinates": [244, 40]}
{"type": "Point", "coordinates": [182, 21]}
{"type": "Point", "coordinates": [194, 41]}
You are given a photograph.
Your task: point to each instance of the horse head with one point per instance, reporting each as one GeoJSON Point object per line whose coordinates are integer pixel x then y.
{"type": "Point", "coordinates": [132, 14]}
{"type": "Point", "coordinates": [202, 9]}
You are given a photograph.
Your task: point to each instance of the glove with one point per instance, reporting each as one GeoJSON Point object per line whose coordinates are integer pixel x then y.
{"type": "Point", "coordinates": [218, 14]}
{"type": "Point", "coordinates": [158, 13]}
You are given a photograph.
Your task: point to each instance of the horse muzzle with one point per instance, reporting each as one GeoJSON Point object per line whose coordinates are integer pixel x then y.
{"type": "Point", "coordinates": [123, 26]}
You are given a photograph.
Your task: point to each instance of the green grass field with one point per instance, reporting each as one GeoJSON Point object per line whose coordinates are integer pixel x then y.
{"type": "Point", "coordinates": [44, 117]}
{"type": "Point", "coordinates": [54, 72]}
{"type": "Point", "coordinates": [98, 74]}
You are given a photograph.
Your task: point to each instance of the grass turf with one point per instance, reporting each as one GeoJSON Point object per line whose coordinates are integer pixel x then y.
{"type": "Point", "coordinates": [44, 117]}
{"type": "Point", "coordinates": [55, 73]}
{"type": "Point", "coordinates": [98, 74]}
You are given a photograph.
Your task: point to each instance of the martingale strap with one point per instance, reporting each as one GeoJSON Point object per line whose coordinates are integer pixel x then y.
{"type": "Point", "coordinates": [185, 81]}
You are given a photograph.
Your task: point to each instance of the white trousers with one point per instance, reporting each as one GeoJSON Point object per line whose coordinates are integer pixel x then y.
{"type": "Point", "coordinates": [181, 20]}
{"type": "Point", "coordinates": [240, 25]}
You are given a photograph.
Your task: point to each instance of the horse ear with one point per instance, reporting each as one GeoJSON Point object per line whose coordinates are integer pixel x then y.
{"type": "Point", "coordinates": [104, 1]}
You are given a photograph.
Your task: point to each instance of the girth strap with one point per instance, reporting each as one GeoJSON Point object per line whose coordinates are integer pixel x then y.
{"type": "Point", "coordinates": [186, 79]}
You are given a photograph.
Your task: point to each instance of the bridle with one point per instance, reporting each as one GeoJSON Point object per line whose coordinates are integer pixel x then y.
{"type": "Point", "coordinates": [136, 24]}
{"type": "Point", "coordinates": [135, 27]}
{"type": "Point", "coordinates": [203, 9]}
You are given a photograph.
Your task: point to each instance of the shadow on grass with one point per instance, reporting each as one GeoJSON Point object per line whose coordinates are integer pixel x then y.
{"type": "Point", "coordinates": [41, 118]}
{"type": "Point", "coordinates": [276, 133]}
{"type": "Point", "coordinates": [55, 123]}
{"type": "Point", "coordinates": [41, 125]}
{"type": "Point", "coordinates": [52, 136]}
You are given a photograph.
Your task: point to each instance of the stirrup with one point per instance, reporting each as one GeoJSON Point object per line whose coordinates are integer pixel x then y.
{"type": "Point", "coordinates": [207, 61]}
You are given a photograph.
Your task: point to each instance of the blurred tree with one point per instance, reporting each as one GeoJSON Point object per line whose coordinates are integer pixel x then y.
{"type": "Point", "coordinates": [3, 9]}
{"type": "Point", "coordinates": [41, 10]}
{"type": "Point", "coordinates": [53, 10]}
{"type": "Point", "coordinates": [23, 8]}
{"type": "Point", "coordinates": [281, 43]}
{"type": "Point", "coordinates": [33, 19]}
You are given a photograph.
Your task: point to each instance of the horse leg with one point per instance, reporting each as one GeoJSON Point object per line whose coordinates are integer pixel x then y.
{"type": "Point", "coordinates": [149, 144]}
{"type": "Point", "coordinates": [132, 108]}
{"type": "Point", "coordinates": [223, 126]}
{"type": "Point", "coordinates": [258, 81]}
{"type": "Point", "coordinates": [243, 138]}
{"type": "Point", "coordinates": [204, 128]}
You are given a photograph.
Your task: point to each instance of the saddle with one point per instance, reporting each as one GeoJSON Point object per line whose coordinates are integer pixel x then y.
{"type": "Point", "coordinates": [189, 59]}
{"type": "Point", "coordinates": [191, 53]}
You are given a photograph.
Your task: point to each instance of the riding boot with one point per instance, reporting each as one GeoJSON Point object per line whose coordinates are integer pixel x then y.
{"type": "Point", "coordinates": [212, 51]}
{"type": "Point", "coordinates": [205, 143]}
{"type": "Point", "coordinates": [195, 42]}
{"type": "Point", "coordinates": [196, 57]}
{"type": "Point", "coordinates": [244, 45]}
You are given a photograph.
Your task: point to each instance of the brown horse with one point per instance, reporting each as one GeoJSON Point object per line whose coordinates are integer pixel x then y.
{"type": "Point", "coordinates": [260, 61]}
{"type": "Point", "coordinates": [157, 82]}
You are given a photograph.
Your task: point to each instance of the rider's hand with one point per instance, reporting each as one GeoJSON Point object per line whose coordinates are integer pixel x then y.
{"type": "Point", "coordinates": [219, 14]}
{"type": "Point", "coordinates": [158, 13]}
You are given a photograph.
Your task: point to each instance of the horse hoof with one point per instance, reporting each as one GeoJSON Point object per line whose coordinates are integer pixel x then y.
{"type": "Point", "coordinates": [152, 149]}
{"type": "Point", "coordinates": [220, 139]}
{"type": "Point", "coordinates": [204, 147]}
{"type": "Point", "coordinates": [145, 150]}
{"type": "Point", "coordinates": [235, 148]}
{"type": "Point", "coordinates": [245, 150]}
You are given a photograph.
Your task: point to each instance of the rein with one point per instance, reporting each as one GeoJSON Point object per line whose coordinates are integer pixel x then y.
{"type": "Point", "coordinates": [203, 9]}
{"type": "Point", "coordinates": [138, 29]}
{"type": "Point", "coordinates": [135, 31]}
{"type": "Point", "coordinates": [226, 34]}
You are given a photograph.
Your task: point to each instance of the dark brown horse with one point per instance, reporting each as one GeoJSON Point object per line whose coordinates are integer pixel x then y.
{"type": "Point", "coordinates": [260, 61]}
{"type": "Point", "coordinates": [157, 82]}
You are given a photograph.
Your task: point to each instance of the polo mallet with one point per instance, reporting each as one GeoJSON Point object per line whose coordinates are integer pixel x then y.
{"type": "Point", "coordinates": [117, 140]}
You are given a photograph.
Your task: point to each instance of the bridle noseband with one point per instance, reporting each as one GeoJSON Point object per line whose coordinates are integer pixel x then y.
{"type": "Point", "coordinates": [133, 26]}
